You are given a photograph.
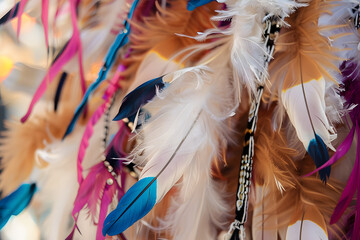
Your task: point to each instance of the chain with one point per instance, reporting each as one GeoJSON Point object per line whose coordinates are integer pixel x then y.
{"type": "Point", "coordinates": [237, 230]}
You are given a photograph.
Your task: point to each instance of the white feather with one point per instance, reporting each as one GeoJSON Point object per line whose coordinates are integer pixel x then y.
{"type": "Point", "coordinates": [294, 103]}
{"type": "Point", "coordinates": [208, 91]}
{"type": "Point", "coordinates": [58, 186]}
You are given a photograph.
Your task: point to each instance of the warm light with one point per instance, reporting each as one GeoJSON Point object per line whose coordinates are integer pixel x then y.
{"type": "Point", "coordinates": [6, 65]}
{"type": "Point", "coordinates": [27, 23]}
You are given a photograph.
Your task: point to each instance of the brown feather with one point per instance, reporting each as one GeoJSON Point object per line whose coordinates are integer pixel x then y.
{"type": "Point", "coordinates": [301, 52]}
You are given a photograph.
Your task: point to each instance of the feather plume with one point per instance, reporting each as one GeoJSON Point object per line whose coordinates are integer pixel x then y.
{"type": "Point", "coordinates": [149, 58]}
{"type": "Point", "coordinates": [302, 61]}
{"type": "Point", "coordinates": [10, 14]}
{"type": "Point", "coordinates": [166, 160]}
{"type": "Point", "coordinates": [16, 202]}
{"type": "Point", "coordinates": [274, 160]}
{"type": "Point", "coordinates": [246, 31]}
{"type": "Point", "coordinates": [345, 13]}
{"type": "Point", "coordinates": [55, 197]}
{"type": "Point", "coordinates": [120, 41]}
{"type": "Point", "coordinates": [72, 47]}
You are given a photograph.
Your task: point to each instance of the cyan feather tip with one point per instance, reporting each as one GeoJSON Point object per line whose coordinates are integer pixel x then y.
{"type": "Point", "coordinates": [319, 153]}
{"type": "Point", "coordinates": [134, 205]}
{"type": "Point", "coordinates": [139, 97]}
{"type": "Point", "coordinates": [193, 4]}
{"type": "Point", "coordinates": [16, 202]}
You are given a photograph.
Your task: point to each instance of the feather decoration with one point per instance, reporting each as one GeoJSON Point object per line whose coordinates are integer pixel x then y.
{"type": "Point", "coordinates": [246, 31]}
{"type": "Point", "coordinates": [193, 92]}
{"type": "Point", "coordinates": [16, 202]}
{"type": "Point", "coordinates": [12, 13]}
{"type": "Point", "coordinates": [132, 102]}
{"type": "Point", "coordinates": [56, 203]}
{"type": "Point", "coordinates": [108, 95]}
{"type": "Point", "coordinates": [120, 41]}
{"type": "Point", "coordinates": [99, 186]}
{"type": "Point", "coordinates": [71, 48]}
{"type": "Point", "coordinates": [192, 4]}
{"type": "Point", "coordinates": [342, 12]}
{"type": "Point", "coordinates": [302, 61]}
{"type": "Point", "coordinates": [44, 19]}
{"type": "Point", "coordinates": [59, 89]}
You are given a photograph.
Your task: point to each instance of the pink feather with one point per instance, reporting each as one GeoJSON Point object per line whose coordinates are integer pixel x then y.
{"type": "Point", "coordinates": [73, 46]}
{"type": "Point", "coordinates": [19, 14]}
{"type": "Point", "coordinates": [110, 91]}
{"type": "Point", "coordinates": [44, 19]}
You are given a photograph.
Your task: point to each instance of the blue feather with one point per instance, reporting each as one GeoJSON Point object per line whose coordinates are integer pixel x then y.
{"type": "Point", "coordinates": [135, 204]}
{"type": "Point", "coordinates": [10, 14]}
{"type": "Point", "coordinates": [319, 153]}
{"type": "Point", "coordinates": [139, 97]}
{"type": "Point", "coordinates": [16, 202]}
{"type": "Point", "coordinates": [192, 4]}
{"type": "Point", "coordinates": [121, 40]}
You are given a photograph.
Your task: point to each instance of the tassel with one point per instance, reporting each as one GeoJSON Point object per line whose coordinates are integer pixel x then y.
{"type": "Point", "coordinates": [16, 202]}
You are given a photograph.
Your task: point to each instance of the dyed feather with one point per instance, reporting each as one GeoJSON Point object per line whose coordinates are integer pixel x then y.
{"type": "Point", "coordinates": [166, 161]}
{"type": "Point", "coordinates": [140, 198]}
{"type": "Point", "coordinates": [120, 41]}
{"type": "Point", "coordinates": [95, 189]}
{"type": "Point", "coordinates": [59, 89]}
{"type": "Point", "coordinates": [108, 95]}
{"type": "Point", "coordinates": [302, 61]}
{"type": "Point", "coordinates": [133, 101]}
{"type": "Point", "coordinates": [246, 31]}
{"type": "Point", "coordinates": [192, 4]}
{"type": "Point", "coordinates": [12, 13]}
{"type": "Point", "coordinates": [16, 202]}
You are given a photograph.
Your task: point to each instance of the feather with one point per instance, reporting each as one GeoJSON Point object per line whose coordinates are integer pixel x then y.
{"type": "Point", "coordinates": [97, 188]}
{"type": "Point", "coordinates": [133, 101]}
{"type": "Point", "coordinates": [192, 4]}
{"type": "Point", "coordinates": [120, 41]}
{"type": "Point", "coordinates": [246, 31]}
{"type": "Point", "coordinates": [69, 51]}
{"type": "Point", "coordinates": [44, 19]}
{"type": "Point", "coordinates": [139, 199]}
{"type": "Point", "coordinates": [56, 198]}
{"type": "Point", "coordinates": [16, 202]}
{"type": "Point", "coordinates": [301, 64]}
{"type": "Point", "coordinates": [22, 4]}
{"type": "Point", "coordinates": [193, 91]}
{"type": "Point", "coordinates": [108, 95]}
{"type": "Point", "coordinates": [10, 14]}
{"type": "Point", "coordinates": [59, 89]}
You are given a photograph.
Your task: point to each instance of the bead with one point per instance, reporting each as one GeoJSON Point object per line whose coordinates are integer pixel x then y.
{"type": "Point", "coordinates": [110, 168]}
{"type": "Point", "coordinates": [106, 163]}
{"type": "Point", "coordinates": [109, 181]}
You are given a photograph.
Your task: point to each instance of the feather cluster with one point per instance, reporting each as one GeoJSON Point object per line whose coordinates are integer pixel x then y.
{"type": "Point", "coordinates": [179, 77]}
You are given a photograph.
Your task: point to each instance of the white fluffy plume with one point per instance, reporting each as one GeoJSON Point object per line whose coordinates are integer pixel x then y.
{"type": "Point", "coordinates": [246, 31]}
{"type": "Point", "coordinates": [205, 93]}
{"type": "Point", "coordinates": [58, 186]}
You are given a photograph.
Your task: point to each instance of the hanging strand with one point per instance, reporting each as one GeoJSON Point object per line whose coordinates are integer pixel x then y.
{"type": "Point", "coordinates": [237, 229]}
